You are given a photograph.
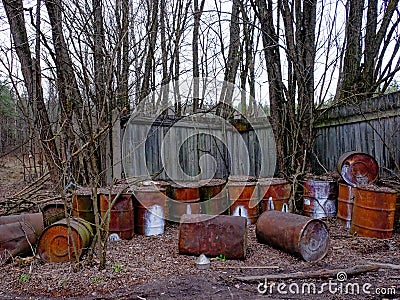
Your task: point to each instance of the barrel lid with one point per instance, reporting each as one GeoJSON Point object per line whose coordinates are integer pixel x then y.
{"type": "Point", "coordinates": [358, 168]}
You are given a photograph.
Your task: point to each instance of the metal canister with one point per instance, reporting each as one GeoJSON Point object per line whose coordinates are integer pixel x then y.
{"type": "Point", "coordinates": [244, 200]}
{"type": "Point", "coordinates": [213, 236]}
{"type": "Point", "coordinates": [121, 213]}
{"type": "Point", "coordinates": [18, 233]}
{"type": "Point", "coordinates": [149, 203]}
{"type": "Point", "coordinates": [345, 204]}
{"type": "Point", "coordinates": [374, 212]}
{"type": "Point", "coordinates": [274, 193]}
{"type": "Point", "coordinates": [395, 186]}
{"type": "Point", "coordinates": [82, 204]}
{"type": "Point", "coordinates": [213, 196]}
{"type": "Point", "coordinates": [298, 235]}
{"type": "Point", "coordinates": [183, 198]}
{"type": "Point", "coordinates": [53, 212]}
{"type": "Point", "coordinates": [357, 168]}
{"type": "Point", "coordinates": [319, 198]}
{"type": "Point", "coordinates": [56, 245]}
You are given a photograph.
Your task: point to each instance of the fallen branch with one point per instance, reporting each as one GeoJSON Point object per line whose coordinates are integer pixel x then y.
{"type": "Point", "coordinates": [246, 267]}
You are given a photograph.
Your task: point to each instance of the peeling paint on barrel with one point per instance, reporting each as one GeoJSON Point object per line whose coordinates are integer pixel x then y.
{"type": "Point", "coordinates": [244, 200]}
{"type": "Point", "coordinates": [319, 198]}
{"type": "Point", "coordinates": [345, 204]}
{"type": "Point", "coordinates": [274, 192]}
{"type": "Point", "coordinates": [183, 198]}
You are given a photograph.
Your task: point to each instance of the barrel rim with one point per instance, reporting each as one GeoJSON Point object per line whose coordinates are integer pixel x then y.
{"type": "Point", "coordinates": [312, 220]}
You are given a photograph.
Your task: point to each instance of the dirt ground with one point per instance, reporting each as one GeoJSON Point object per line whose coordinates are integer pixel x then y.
{"type": "Point", "coordinates": [151, 268]}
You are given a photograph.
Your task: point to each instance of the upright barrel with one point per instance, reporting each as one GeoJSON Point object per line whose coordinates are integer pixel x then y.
{"type": "Point", "coordinates": [319, 198]}
{"type": "Point", "coordinates": [150, 209]}
{"type": "Point", "coordinates": [53, 212]}
{"type": "Point", "coordinates": [345, 204]}
{"type": "Point", "coordinates": [357, 168]}
{"type": "Point", "coordinates": [244, 200]}
{"type": "Point", "coordinates": [183, 198]}
{"type": "Point", "coordinates": [82, 204]}
{"type": "Point", "coordinates": [121, 213]}
{"type": "Point", "coordinates": [213, 196]}
{"type": "Point", "coordinates": [374, 212]}
{"type": "Point", "coordinates": [395, 186]}
{"type": "Point", "coordinates": [298, 235]}
{"type": "Point", "coordinates": [56, 245]}
{"type": "Point", "coordinates": [274, 193]}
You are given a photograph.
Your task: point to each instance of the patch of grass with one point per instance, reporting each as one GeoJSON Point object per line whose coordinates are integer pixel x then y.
{"type": "Point", "coordinates": [24, 278]}
{"type": "Point", "coordinates": [96, 280]}
{"type": "Point", "coordinates": [221, 258]}
{"type": "Point", "coordinates": [62, 281]}
{"type": "Point", "coordinates": [116, 267]}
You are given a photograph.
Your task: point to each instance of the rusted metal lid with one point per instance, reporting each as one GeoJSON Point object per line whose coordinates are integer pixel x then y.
{"type": "Point", "coordinates": [357, 168]}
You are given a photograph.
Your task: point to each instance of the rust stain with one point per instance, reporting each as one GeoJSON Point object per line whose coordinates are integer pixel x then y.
{"type": "Point", "coordinates": [357, 168]}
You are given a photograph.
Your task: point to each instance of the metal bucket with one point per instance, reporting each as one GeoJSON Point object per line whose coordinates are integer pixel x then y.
{"type": "Point", "coordinates": [214, 200]}
{"type": "Point", "coordinates": [18, 233]}
{"type": "Point", "coordinates": [319, 198]}
{"type": "Point", "coordinates": [345, 204]}
{"type": "Point", "coordinates": [244, 200]}
{"type": "Point", "coordinates": [357, 168]}
{"type": "Point", "coordinates": [149, 204]}
{"type": "Point", "coordinates": [213, 235]}
{"type": "Point", "coordinates": [121, 214]}
{"type": "Point", "coordinates": [373, 212]}
{"type": "Point", "coordinates": [82, 205]}
{"type": "Point", "coordinates": [274, 193]}
{"type": "Point", "coordinates": [56, 245]}
{"type": "Point", "coordinates": [53, 212]}
{"type": "Point", "coordinates": [298, 235]}
{"type": "Point", "coordinates": [184, 198]}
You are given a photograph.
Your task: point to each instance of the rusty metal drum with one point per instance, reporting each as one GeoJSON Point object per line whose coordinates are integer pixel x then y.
{"type": "Point", "coordinates": [82, 205]}
{"type": "Point", "coordinates": [274, 193]}
{"type": "Point", "coordinates": [56, 245]}
{"type": "Point", "coordinates": [357, 168]}
{"type": "Point", "coordinates": [213, 196]}
{"type": "Point", "coordinates": [244, 199]}
{"type": "Point", "coordinates": [150, 207]}
{"type": "Point", "coordinates": [298, 235]}
{"type": "Point", "coordinates": [213, 235]}
{"type": "Point", "coordinates": [374, 212]}
{"type": "Point", "coordinates": [345, 204]}
{"type": "Point", "coordinates": [395, 186]}
{"type": "Point", "coordinates": [121, 213]}
{"type": "Point", "coordinates": [319, 198]}
{"type": "Point", "coordinates": [183, 198]}
{"type": "Point", "coordinates": [53, 212]}
{"type": "Point", "coordinates": [18, 233]}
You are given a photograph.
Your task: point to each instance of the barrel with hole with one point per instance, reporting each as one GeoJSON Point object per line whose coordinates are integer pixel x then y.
{"type": "Point", "coordinates": [183, 198]}
{"type": "Point", "coordinates": [274, 193]}
{"type": "Point", "coordinates": [82, 204]}
{"type": "Point", "coordinates": [373, 212]}
{"type": "Point", "coordinates": [213, 197]}
{"type": "Point", "coordinates": [345, 204]}
{"type": "Point", "coordinates": [57, 245]}
{"type": "Point", "coordinates": [121, 213]}
{"type": "Point", "coordinates": [319, 198]}
{"type": "Point", "coordinates": [149, 205]}
{"type": "Point", "coordinates": [302, 236]}
{"type": "Point", "coordinates": [244, 200]}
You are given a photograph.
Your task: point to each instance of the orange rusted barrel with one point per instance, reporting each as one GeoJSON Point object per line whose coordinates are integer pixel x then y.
{"type": "Point", "coordinates": [274, 193]}
{"type": "Point", "coordinates": [82, 205]}
{"type": "Point", "coordinates": [357, 168]}
{"type": "Point", "coordinates": [213, 195]}
{"type": "Point", "coordinates": [244, 200]}
{"type": "Point", "coordinates": [183, 198]}
{"type": "Point", "coordinates": [395, 186]}
{"type": "Point", "coordinates": [298, 235]}
{"type": "Point", "coordinates": [319, 198]}
{"type": "Point", "coordinates": [18, 233]}
{"type": "Point", "coordinates": [53, 212]}
{"type": "Point", "coordinates": [213, 235]}
{"type": "Point", "coordinates": [373, 212]}
{"type": "Point", "coordinates": [150, 207]}
{"type": "Point", "coordinates": [345, 204]}
{"type": "Point", "coordinates": [121, 213]}
{"type": "Point", "coordinates": [56, 245]}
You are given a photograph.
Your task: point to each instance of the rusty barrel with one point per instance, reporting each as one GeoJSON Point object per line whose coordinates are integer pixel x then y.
{"type": "Point", "coordinates": [149, 205]}
{"type": "Point", "coordinates": [18, 233]}
{"type": "Point", "coordinates": [213, 235]}
{"type": "Point", "coordinates": [319, 198]}
{"type": "Point", "coordinates": [121, 213]}
{"type": "Point", "coordinates": [244, 200]}
{"type": "Point", "coordinates": [56, 245]}
{"type": "Point", "coordinates": [345, 204]}
{"type": "Point", "coordinates": [82, 205]}
{"type": "Point", "coordinates": [298, 235]}
{"type": "Point", "coordinates": [373, 212]}
{"type": "Point", "coordinates": [183, 198]}
{"type": "Point", "coordinates": [357, 168]}
{"type": "Point", "coordinates": [53, 212]}
{"type": "Point", "coordinates": [214, 200]}
{"type": "Point", "coordinates": [395, 186]}
{"type": "Point", "coordinates": [274, 193]}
